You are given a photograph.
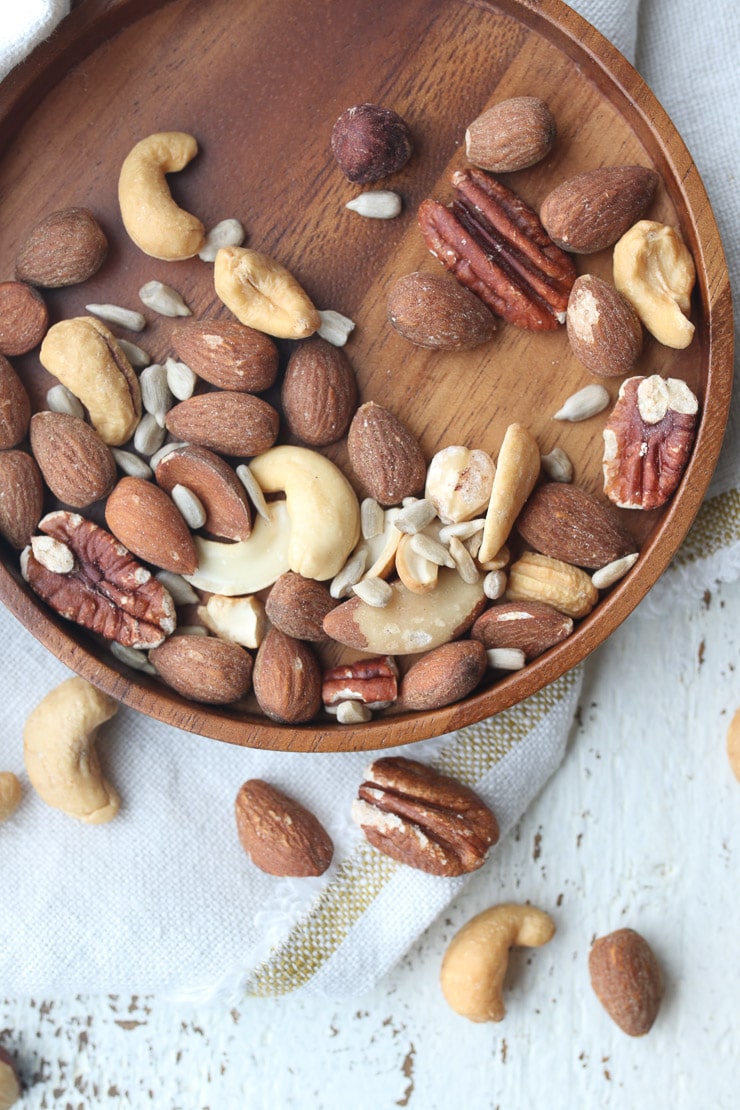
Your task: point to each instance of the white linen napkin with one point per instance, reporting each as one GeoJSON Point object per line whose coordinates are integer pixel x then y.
{"type": "Point", "coordinates": [163, 898]}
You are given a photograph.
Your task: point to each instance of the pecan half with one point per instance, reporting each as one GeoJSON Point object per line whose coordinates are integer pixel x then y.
{"type": "Point", "coordinates": [424, 819]}
{"type": "Point", "coordinates": [374, 682]}
{"type": "Point", "coordinates": [648, 440]}
{"type": "Point", "coordinates": [107, 590]}
{"type": "Point", "coordinates": [496, 246]}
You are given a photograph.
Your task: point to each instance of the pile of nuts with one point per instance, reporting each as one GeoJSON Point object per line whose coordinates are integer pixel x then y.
{"type": "Point", "coordinates": [220, 541]}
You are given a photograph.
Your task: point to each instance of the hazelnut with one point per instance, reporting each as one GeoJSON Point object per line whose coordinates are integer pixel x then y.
{"type": "Point", "coordinates": [370, 143]}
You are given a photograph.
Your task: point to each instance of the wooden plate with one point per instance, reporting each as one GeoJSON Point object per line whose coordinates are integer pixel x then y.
{"type": "Point", "coordinates": [260, 83]}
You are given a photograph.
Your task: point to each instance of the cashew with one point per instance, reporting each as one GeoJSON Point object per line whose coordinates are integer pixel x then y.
{"type": "Point", "coordinates": [517, 470]}
{"type": "Point", "coordinates": [323, 508]}
{"type": "Point", "coordinates": [59, 751]}
{"type": "Point", "coordinates": [262, 294]}
{"type": "Point", "coordinates": [654, 270]}
{"type": "Point", "coordinates": [10, 794]}
{"type": "Point", "coordinates": [247, 566]}
{"type": "Point", "coordinates": [475, 963]}
{"type": "Point", "coordinates": [241, 620]}
{"type": "Point", "coordinates": [84, 355]}
{"type": "Point", "coordinates": [155, 223]}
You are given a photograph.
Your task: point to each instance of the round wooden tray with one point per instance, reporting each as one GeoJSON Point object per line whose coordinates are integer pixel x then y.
{"type": "Point", "coordinates": [260, 83]}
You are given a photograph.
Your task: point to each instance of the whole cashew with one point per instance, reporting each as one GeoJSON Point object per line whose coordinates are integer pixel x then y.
{"type": "Point", "coordinates": [323, 508]}
{"type": "Point", "coordinates": [59, 751]}
{"type": "Point", "coordinates": [155, 223]}
{"type": "Point", "coordinates": [654, 270]}
{"type": "Point", "coordinates": [263, 295]}
{"type": "Point", "coordinates": [475, 963]}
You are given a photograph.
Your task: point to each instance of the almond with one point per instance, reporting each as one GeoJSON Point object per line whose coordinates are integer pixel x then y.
{"type": "Point", "coordinates": [319, 393]}
{"type": "Point", "coordinates": [227, 422]}
{"type": "Point", "coordinates": [627, 980]}
{"type": "Point", "coordinates": [23, 318]}
{"type": "Point", "coordinates": [287, 679]}
{"type": "Point", "coordinates": [604, 330]}
{"type": "Point", "coordinates": [146, 521]}
{"type": "Point", "coordinates": [435, 311]}
{"type": "Point", "coordinates": [214, 483]}
{"type": "Point", "coordinates": [570, 524]}
{"type": "Point", "coordinates": [204, 668]}
{"type": "Point", "coordinates": [530, 626]}
{"type": "Point", "coordinates": [77, 466]}
{"type": "Point", "coordinates": [592, 210]}
{"type": "Point", "coordinates": [227, 354]}
{"type": "Point", "coordinates": [15, 406]}
{"type": "Point", "coordinates": [298, 605]}
{"type": "Point", "coordinates": [512, 135]}
{"type": "Point", "coordinates": [21, 497]}
{"type": "Point", "coordinates": [385, 455]}
{"type": "Point", "coordinates": [443, 676]}
{"type": "Point", "coordinates": [280, 835]}
{"type": "Point", "coordinates": [67, 247]}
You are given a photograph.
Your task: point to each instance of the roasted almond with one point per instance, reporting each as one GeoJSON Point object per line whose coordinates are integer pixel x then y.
{"type": "Point", "coordinates": [435, 311]}
{"type": "Point", "coordinates": [214, 483]}
{"type": "Point", "coordinates": [529, 626]}
{"type": "Point", "coordinates": [15, 406]}
{"type": "Point", "coordinates": [627, 980]}
{"type": "Point", "coordinates": [77, 466]}
{"type": "Point", "coordinates": [278, 834]}
{"type": "Point", "coordinates": [204, 668]}
{"type": "Point", "coordinates": [570, 524]}
{"type": "Point", "coordinates": [65, 248]}
{"type": "Point", "coordinates": [298, 605]}
{"type": "Point", "coordinates": [319, 393]}
{"type": "Point", "coordinates": [23, 317]}
{"type": "Point", "coordinates": [146, 521]}
{"type": "Point", "coordinates": [443, 676]}
{"type": "Point", "coordinates": [385, 455]}
{"type": "Point", "coordinates": [21, 497]}
{"type": "Point", "coordinates": [287, 679]}
{"type": "Point", "coordinates": [592, 210]}
{"type": "Point", "coordinates": [227, 422]}
{"type": "Point", "coordinates": [604, 330]}
{"type": "Point", "coordinates": [227, 354]}
{"type": "Point", "coordinates": [511, 135]}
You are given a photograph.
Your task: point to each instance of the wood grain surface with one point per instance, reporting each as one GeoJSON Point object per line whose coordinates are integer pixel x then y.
{"type": "Point", "coordinates": [260, 85]}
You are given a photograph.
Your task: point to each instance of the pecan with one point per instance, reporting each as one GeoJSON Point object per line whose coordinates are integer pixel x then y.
{"type": "Point", "coordinates": [107, 590]}
{"type": "Point", "coordinates": [374, 682]}
{"type": "Point", "coordinates": [424, 819]}
{"type": "Point", "coordinates": [496, 246]}
{"type": "Point", "coordinates": [647, 441]}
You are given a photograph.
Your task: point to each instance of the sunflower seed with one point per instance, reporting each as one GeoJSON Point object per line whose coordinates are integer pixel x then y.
{"type": "Point", "coordinates": [335, 328]}
{"type": "Point", "coordinates": [181, 380]}
{"type": "Point", "coordinates": [135, 659]}
{"type": "Point", "coordinates": [349, 575]}
{"type": "Point", "coordinates": [163, 299]}
{"type": "Point", "coordinates": [136, 355]}
{"type": "Point", "coordinates": [155, 393]}
{"type": "Point", "coordinates": [131, 464]}
{"type": "Point", "coordinates": [149, 435]}
{"type": "Point", "coordinates": [113, 314]}
{"type": "Point", "coordinates": [415, 517]}
{"type": "Point", "coordinates": [464, 561]}
{"type": "Point", "coordinates": [494, 584]}
{"type": "Point", "coordinates": [372, 518]}
{"type": "Point", "coordinates": [376, 204]}
{"type": "Point", "coordinates": [254, 490]}
{"type": "Point", "coordinates": [190, 506]}
{"type": "Point", "coordinates": [612, 572]}
{"type": "Point", "coordinates": [353, 713]}
{"type": "Point", "coordinates": [373, 591]}
{"type": "Point", "coordinates": [226, 233]}
{"type": "Point", "coordinates": [587, 402]}
{"type": "Point", "coordinates": [61, 399]}
{"type": "Point", "coordinates": [182, 592]}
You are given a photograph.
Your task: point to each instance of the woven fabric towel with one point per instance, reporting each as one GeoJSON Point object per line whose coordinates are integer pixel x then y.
{"type": "Point", "coordinates": [163, 898]}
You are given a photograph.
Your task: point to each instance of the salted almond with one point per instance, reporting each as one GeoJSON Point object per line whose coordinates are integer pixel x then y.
{"type": "Point", "coordinates": [228, 422]}
{"type": "Point", "coordinates": [590, 211]}
{"type": "Point", "coordinates": [77, 466]}
{"type": "Point", "coordinates": [385, 455]}
{"type": "Point", "coordinates": [65, 248]}
{"type": "Point", "coordinates": [21, 497]}
{"type": "Point", "coordinates": [23, 317]}
{"type": "Point", "coordinates": [529, 626]}
{"type": "Point", "coordinates": [573, 525]}
{"type": "Point", "coordinates": [435, 311]}
{"type": "Point", "coordinates": [227, 354]}
{"type": "Point", "coordinates": [443, 676]}
{"type": "Point", "coordinates": [298, 605]}
{"type": "Point", "coordinates": [146, 521]}
{"type": "Point", "coordinates": [604, 330]}
{"type": "Point", "coordinates": [15, 406]}
{"type": "Point", "coordinates": [278, 834]}
{"type": "Point", "coordinates": [319, 392]}
{"type": "Point", "coordinates": [214, 483]}
{"type": "Point", "coordinates": [627, 980]}
{"type": "Point", "coordinates": [287, 679]}
{"type": "Point", "coordinates": [511, 135]}
{"type": "Point", "coordinates": [204, 668]}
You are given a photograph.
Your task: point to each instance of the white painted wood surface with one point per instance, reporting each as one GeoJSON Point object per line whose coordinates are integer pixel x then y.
{"type": "Point", "coordinates": [640, 827]}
